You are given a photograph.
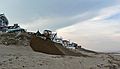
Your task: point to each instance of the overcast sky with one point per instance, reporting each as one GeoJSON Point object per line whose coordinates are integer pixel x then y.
{"type": "Point", "coordinates": [94, 24]}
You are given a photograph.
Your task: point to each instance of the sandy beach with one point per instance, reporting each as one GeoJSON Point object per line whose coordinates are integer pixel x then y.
{"type": "Point", "coordinates": [23, 57]}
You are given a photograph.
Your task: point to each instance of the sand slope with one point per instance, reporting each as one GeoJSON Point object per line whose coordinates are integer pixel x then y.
{"type": "Point", "coordinates": [16, 55]}
{"type": "Point", "coordinates": [21, 57]}
{"type": "Point", "coordinates": [49, 47]}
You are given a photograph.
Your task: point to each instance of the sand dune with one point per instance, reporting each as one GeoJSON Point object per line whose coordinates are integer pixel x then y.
{"type": "Point", "coordinates": [23, 57]}
{"type": "Point", "coordinates": [49, 47]}
{"type": "Point", "coordinates": [19, 55]}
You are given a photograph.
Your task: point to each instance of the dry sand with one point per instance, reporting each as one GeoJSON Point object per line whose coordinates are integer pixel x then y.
{"type": "Point", "coordinates": [21, 57]}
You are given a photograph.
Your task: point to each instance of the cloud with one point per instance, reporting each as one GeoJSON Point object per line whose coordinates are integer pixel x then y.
{"type": "Point", "coordinates": [97, 33]}
{"type": "Point", "coordinates": [107, 12]}
{"type": "Point", "coordinates": [40, 23]}
{"type": "Point", "coordinates": [24, 10]}
{"type": "Point", "coordinates": [54, 23]}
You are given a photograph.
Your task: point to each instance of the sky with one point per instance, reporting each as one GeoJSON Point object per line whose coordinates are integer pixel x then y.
{"type": "Point", "coordinates": [93, 24]}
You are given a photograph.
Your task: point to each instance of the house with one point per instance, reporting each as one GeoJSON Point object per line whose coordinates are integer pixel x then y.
{"type": "Point", "coordinates": [58, 40]}
{"type": "Point", "coordinates": [66, 43]}
{"type": "Point", "coordinates": [3, 23]}
{"type": "Point", "coordinates": [9, 29]}
{"type": "Point", "coordinates": [38, 33]}
{"type": "Point", "coordinates": [14, 29]}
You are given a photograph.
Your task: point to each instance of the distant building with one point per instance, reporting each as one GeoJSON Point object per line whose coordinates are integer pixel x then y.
{"type": "Point", "coordinates": [66, 43]}
{"type": "Point", "coordinates": [10, 29]}
{"type": "Point", "coordinates": [3, 23]}
{"type": "Point", "coordinates": [38, 33]}
{"type": "Point", "coordinates": [15, 28]}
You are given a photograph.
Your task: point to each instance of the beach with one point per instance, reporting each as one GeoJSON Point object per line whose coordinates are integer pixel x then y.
{"type": "Point", "coordinates": [23, 57]}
